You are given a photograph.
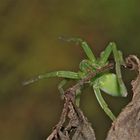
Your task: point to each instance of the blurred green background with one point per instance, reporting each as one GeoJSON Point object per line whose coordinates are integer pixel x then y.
{"type": "Point", "coordinates": [29, 45]}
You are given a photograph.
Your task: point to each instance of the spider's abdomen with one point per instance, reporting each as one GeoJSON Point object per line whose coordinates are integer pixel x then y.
{"type": "Point", "coordinates": [109, 84]}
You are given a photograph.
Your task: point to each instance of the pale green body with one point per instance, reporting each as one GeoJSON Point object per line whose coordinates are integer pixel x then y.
{"type": "Point", "coordinates": [110, 83]}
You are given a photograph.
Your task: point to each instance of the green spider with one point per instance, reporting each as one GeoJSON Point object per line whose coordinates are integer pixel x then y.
{"type": "Point", "coordinates": [109, 83]}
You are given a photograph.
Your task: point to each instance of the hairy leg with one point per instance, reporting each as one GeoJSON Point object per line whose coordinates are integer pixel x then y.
{"type": "Point", "coordinates": [78, 94]}
{"type": "Point", "coordinates": [102, 101]}
{"type": "Point", "coordinates": [60, 87]}
{"type": "Point", "coordinates": [83, 44]}
{"type": "Point", "coordinates": [62, 74]}
{"type": "Point", "coordinates": [118, 62]}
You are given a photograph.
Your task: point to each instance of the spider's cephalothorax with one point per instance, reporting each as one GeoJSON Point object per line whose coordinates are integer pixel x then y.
{"type": "Point", "coordinates": [108, 82]}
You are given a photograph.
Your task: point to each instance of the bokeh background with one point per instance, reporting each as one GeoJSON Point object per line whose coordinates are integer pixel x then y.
{"type": "Point", "coordinates": [29, 45]}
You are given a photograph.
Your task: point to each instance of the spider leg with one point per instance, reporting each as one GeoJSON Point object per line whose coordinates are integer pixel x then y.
{"type": "Point", "coordinates": [102, 101]}
{"type": "Point", "coordinates": [62, 74]}
{"type": "Point", "coordinates": [86, 66]}
{"type": "Point", "coordinates": [118, 62]}
{"type": "Point", "coordinates": [122, 62]}
{"type": "Point", "coordinates": [62, 92]}
{"type": "Point", "coordinates": [83, 44]}
{"type": "Point", "coordinates": [60, 87]}
{"type": "Point", "coordinates": [77, 99]}
{"type": "Point", "coordinates": [105, 55]}
{"type": "Point", "coordinates": [88, 51]}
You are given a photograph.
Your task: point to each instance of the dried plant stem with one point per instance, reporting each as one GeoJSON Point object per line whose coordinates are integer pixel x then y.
{"type": "Point", "coordinates": [78, 127]}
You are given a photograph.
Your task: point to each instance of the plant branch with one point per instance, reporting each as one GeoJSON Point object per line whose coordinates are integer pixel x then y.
{"type": "Point", "coordinates": [77, 127]}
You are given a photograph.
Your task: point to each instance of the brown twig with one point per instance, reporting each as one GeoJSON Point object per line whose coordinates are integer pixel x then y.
{"type": "Point", "coordinates": [78, 123]}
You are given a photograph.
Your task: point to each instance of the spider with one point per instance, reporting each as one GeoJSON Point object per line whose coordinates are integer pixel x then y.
{"type": "Point", "coordinates": [108, 82]}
